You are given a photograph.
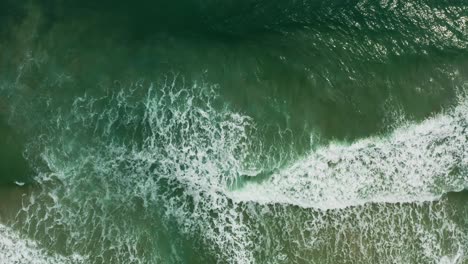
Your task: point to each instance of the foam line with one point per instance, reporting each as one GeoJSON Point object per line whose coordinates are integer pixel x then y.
{"type": "Point", "coordinates": [417, 162]}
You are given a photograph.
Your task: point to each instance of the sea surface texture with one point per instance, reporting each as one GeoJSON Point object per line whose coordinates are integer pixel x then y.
{"type": "Point", "coordinates": [234, 131]}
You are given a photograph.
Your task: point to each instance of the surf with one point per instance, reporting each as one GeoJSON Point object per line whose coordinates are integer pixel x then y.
{"type": "Point", "coordinates": [416, 162]}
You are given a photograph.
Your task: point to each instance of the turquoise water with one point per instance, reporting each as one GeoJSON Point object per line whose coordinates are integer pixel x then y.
{"type": "Point", "coordinates": [234, 132]}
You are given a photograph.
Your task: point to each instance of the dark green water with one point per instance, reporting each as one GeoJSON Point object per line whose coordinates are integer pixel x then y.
{"type": "Point", "coordinates": [240, 131]}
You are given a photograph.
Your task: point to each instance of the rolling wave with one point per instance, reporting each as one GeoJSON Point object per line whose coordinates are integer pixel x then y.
{"type": "Point", "coordinates": [417, 162]}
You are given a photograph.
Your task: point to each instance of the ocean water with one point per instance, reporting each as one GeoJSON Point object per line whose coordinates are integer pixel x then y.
{"type": "Point", "coordinates": [243, 131]}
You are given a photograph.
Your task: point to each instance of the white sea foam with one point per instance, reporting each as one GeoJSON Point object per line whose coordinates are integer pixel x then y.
{"type": "Point", "coordinates": [417, 162]}
{"type": "Point", "coordinates": [16, 250]}
{"type": "Point", "coordinates": [129, 175]}
{"type": "Point", "coordinates": [174, 169]}
{"type": "Point", "coordinates": [118, 198]}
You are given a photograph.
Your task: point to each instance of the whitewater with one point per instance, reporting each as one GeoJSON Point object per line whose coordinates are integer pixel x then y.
{"type": "Point", "coordinates": [186, 163]}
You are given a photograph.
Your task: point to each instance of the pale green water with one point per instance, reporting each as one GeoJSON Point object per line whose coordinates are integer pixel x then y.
{"type": "Point", "coordinates": [234, 132]}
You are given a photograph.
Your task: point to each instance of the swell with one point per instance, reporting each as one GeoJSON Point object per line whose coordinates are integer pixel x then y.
{"type": "Point", "coordinates": [337, 65]}
{"type": "Point", "coordinates": [250, 18]}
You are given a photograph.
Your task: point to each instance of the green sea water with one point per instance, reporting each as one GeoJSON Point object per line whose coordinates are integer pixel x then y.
{"type": "Point", "coordinates": [245, 131]}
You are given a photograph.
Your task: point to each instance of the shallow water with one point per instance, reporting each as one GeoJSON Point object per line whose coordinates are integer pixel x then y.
{"type": "Point", "coordinates": [236, 132]}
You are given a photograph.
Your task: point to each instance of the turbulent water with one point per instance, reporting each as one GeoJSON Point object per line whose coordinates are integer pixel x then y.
{"type": "Point", "coordinates": [241, 131]}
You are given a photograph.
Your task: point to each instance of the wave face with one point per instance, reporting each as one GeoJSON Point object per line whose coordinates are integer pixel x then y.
{"type": "Point", "coordinates": [414, 163]}
{"type": "Point", "coordinates": [238, 132]}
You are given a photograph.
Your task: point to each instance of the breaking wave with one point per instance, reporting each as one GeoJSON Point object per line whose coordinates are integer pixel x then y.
{"type": "Point", "coordinates": [163, 180]}
{"type": "Point", "coordinates": [416, 162]}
